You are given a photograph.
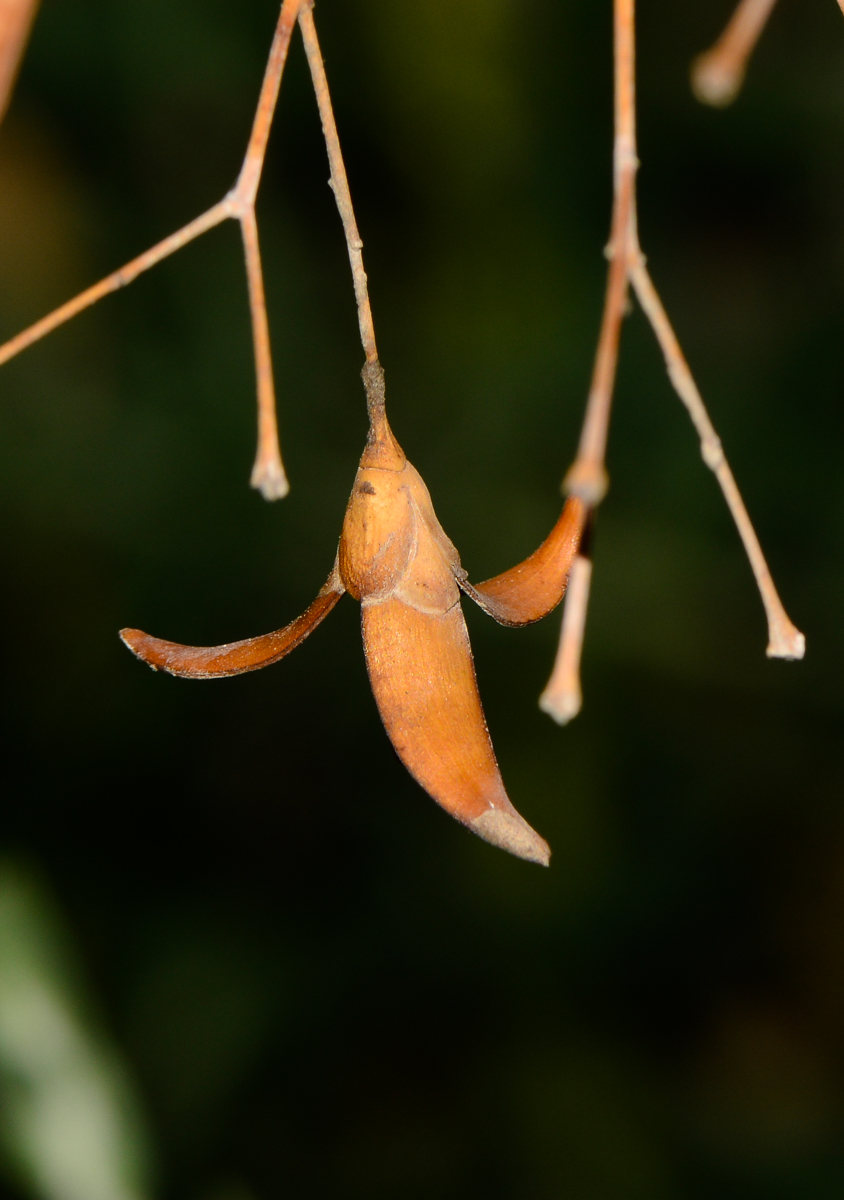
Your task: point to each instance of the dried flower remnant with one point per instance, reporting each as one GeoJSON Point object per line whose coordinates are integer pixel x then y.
{"type": "Point", "coordinates": [395, 558]}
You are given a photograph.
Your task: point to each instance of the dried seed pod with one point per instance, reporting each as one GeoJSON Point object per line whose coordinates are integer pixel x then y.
{"type": "Point", "coordinates": [395, 558]}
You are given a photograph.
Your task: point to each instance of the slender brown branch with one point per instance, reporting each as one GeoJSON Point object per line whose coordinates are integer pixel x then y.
{"type": "Point", "coordinates": [587, 477]}
{"type": "Point", "coordinates": [717, 75]}
{"type": "Point", "coordinates": [339, 182]}
{"type": "Point", "coordinates": [563, 697]}
{"type": "Point", "coordinates": [118, 279]}
{"type": "Point", "coordinates": [268, 473]}
{"type": "Point", "coordinates": [16, 17]}
{"type": "Point", "coordinates": [256, 150]}
{"type": "Point", "coordinates": [784, 639]}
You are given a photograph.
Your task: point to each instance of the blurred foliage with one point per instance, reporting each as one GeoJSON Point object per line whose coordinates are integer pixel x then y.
{"type": "Point", "coordinates": [70, 1122]}
{"type": "Point", "coordinates": [322, 986]}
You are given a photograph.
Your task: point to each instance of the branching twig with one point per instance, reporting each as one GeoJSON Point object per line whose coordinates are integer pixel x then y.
{"type": "Point", "coordinates": [718, 74]}
{"type": "Point", "coordinates": [562, 697]}
{"type": "Point", "coordinates": [268, 473]}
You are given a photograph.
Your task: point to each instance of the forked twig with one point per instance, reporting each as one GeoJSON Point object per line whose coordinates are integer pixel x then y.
{"type": "Point", "coordinates": [268, 473]}
{"type": "Point", "coordinates": [562, 697]}
{"type": "Point", "coordinates": [717, 75]}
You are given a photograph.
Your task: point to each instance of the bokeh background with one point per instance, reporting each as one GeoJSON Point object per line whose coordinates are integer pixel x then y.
{"type": "Point", "coordinates": [242, 955]}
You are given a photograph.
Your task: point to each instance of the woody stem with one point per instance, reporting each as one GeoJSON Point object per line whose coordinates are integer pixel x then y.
{"type": "Point", "coordinates": [339, 182]}
{"type": "Point", "coordinates": [268, 473]}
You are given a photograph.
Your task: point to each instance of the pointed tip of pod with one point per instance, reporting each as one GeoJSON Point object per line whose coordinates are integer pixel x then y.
{"type": "Point", "coordinates": [512, 833]}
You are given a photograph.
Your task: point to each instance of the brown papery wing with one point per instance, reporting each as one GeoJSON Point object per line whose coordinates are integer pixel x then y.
{"type": "Point", "coordinates": [422, 674]}
{"type": "Point", "coordinates": [235, 658]}
{"type": "Point", "coordinates": [529, 591]}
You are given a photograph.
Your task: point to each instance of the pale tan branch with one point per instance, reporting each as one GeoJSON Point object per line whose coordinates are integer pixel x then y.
{"type": "Point", "coordinates": [268, 473]}
{"type": "Point", "coordinates": [118, 279]}
{"type": "Point", "coordinates": [339, 182]}
{"type": "Point", "coordinates": [717, 75]}
{"type": "Point", "coordinates": [587, 477]}
{"type": "Point", "coordinates": [16, 17]}
{"type": "Point", "coordinates": [563, 697]}
{"type": "Point", "coordinates": [256, 150]}
{"type": "Point", "coordinates": [784, 639]}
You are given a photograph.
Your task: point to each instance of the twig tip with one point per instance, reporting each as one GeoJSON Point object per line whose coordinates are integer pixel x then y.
{"type": "Point", "coordinates": [270, 480]}
{"type": "Point", "coordinates": [561, 704]}
{"type": "Point", "coordinates": [786, 642]}
{"type": "Point", "coordinates": [714, 83]}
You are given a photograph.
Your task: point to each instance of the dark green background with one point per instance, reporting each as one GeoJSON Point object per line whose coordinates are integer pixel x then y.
{"type": "Point", "coordinates": [325, 987]}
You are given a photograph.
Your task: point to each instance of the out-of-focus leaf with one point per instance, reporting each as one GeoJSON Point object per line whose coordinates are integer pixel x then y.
{"type": "Point", "coordinates": [69, 1118]}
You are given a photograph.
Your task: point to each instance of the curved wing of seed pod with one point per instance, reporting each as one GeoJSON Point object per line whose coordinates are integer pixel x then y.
{"type": "Point", "coordinates": [529, 591]}
{"type": "Point", "coordinates": [235, 658]}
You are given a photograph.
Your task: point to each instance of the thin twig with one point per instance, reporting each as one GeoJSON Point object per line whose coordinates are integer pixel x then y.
{"type": "Point", "coordinates": [246, 187]}
{"type": "Point", "coordinates": [268, 473]}
{"type": "Point", "coordinates": [784, 639]}
{"type": "Point", "coordinates": [717, 75]}
{"type": "Point", "coordinates": [118, 279]}
{"type": "Point", "coordinates": [16, 17]}
{"type": "Point", "coordinates": [562, 697]}
{"type": "Point", "coordinates": [338, 182]}
{"type": "Point", "coordinates": [587, 477]}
